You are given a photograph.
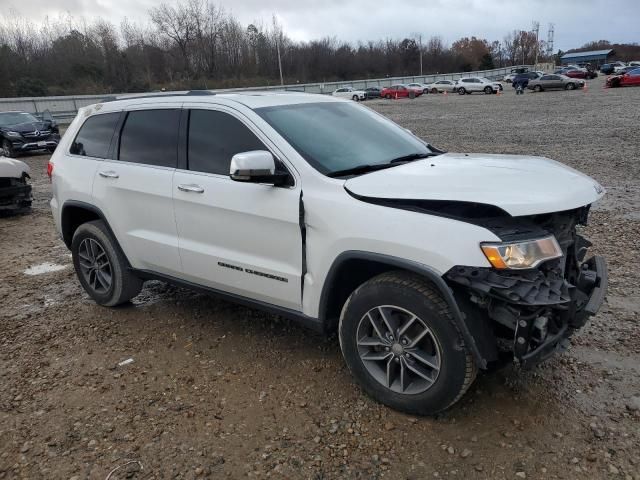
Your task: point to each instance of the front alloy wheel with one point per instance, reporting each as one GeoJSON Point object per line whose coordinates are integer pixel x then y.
{"type": "Point", "coordinates": [402, 346]}
{"type": "Point", "coordinates": [398, 349]}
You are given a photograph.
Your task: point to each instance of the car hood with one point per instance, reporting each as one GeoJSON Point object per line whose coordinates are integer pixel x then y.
{"type": "Point", "coordinates": [12, 168]}
{"type": "Point", "coordinates": [519, 185]}
{"type": "Point", "coordinates": [27, 127]}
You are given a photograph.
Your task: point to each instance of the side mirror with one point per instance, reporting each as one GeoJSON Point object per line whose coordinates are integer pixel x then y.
{"type": "Point", "coordinates": [257, 166]}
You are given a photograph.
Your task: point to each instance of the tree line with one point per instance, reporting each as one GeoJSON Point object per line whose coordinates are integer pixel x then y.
{"type": "Point", "coordinates": [195, 44]}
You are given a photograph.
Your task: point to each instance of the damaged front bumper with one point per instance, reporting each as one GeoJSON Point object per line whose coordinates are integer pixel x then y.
{"type": "Point", "coordinates": [15, 196]}
{"type": "Point", "coordinates": [530, 313]}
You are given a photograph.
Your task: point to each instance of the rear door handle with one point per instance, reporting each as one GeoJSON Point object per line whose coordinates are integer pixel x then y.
{"type": "Point", "coordinates": [190, 188]}
{"type": "Point", "coordinates": [109, 174]}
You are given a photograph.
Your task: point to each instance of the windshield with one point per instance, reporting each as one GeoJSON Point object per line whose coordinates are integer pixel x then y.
{"type": "Point", "coordinates": [336, 136]}
{"type": "Point", "coordinates": [16, 118]}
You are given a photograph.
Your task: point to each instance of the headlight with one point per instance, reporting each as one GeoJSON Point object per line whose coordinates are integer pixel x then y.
{"type": "Point", "coordinates": [519, 255]}
{"type": "Point", "coordinates": [13, 134]}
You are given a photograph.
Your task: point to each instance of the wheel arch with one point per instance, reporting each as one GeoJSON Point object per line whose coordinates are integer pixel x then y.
{"type": "Point", "coordinates": [74, 213]}
{"type": "Point", "coordinates": [351, 269]}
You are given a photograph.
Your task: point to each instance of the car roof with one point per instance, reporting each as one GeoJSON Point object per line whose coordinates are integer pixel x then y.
{"type": "Point", "coordinates": [250, 99]}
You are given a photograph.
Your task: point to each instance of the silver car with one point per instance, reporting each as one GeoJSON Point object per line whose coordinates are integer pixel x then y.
{"type": "Point", "coordinates": [442, 86]}
{"type": "Point", "coordinates": [548, 82]}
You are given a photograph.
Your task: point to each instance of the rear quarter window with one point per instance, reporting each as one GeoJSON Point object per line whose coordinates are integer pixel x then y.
{"type": "Point", "coordinates": [95, 134]}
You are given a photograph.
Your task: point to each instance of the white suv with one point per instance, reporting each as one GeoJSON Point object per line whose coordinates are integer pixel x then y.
{"type": "Point", "coordinates": [477, 84]}
{"type": "Point", "coordinates": [429, 265]}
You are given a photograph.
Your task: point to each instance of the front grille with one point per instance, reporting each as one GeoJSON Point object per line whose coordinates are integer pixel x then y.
{"type": "Point", "coordinates": [37, 134]}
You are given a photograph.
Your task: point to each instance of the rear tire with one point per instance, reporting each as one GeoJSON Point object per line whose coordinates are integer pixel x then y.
{"type": "Point", "coordinates": [412, 95]}
{"type": "Point", "coordinates": [538, 88]}
{"type": "Point", "coordinates": [101, 266]}
{"type": "Point", "coordinates": [434, 90]}
{"type": "Point", "coordinates": [400, 342]}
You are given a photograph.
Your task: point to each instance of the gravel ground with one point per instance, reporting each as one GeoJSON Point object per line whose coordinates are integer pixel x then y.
{"type": "Point", "coordinates": [220, 391]}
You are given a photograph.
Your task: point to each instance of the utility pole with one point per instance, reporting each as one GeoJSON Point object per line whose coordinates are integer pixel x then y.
{"type": "Point", "coordinates": [278, 32]}
{"type": "Point", "coordinates": [536, 29]}
{"type": "Point", "coordinates": [420, 48]}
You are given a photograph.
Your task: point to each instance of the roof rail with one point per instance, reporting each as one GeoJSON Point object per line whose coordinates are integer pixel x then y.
{"type": "Point", "coordinates": [190, 93]}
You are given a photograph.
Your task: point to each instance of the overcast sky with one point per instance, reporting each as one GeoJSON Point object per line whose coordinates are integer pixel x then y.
{"type": "Point", "coordinates": [576, 21]}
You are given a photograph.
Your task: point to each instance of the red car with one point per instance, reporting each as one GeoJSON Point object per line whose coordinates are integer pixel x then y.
{"type": "Point", "coordinates": [626, 80]}
{"type": "Point", "coordinates": [399, 91]}
{"type": "Point", "coordinates": [575, 73]}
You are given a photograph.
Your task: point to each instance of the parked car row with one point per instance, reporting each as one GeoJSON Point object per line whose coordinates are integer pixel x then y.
{"type": "Point", "coordinates": [616, 67]}
{"type": "Point", "coordinates": [413, 90]}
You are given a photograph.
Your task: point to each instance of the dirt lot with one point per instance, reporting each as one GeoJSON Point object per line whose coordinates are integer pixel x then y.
{"type": "Point", "coordinates": [220, 391]}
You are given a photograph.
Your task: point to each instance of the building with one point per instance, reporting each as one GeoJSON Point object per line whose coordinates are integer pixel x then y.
{"type": "Point", "coordinates": [595, 57]}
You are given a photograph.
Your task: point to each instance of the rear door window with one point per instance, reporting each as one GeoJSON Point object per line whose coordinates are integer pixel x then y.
{"type": "Point", "coordinates": [150, 137]}
{"type": "Point", "coordinates": [215, 137]}
{"type": "Point", "coordinates": [94, 137]}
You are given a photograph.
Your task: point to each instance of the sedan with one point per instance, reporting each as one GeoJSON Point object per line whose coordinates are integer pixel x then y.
{"type": "Point", "coordinates": [442, 86]}
{"type": "Point", "coordinates": [628, 79]}
{"type": "Point", "coordinates": [548, 82]}
{"type": "Point", "coordinates": [373, 92]}
{"type": "Point", "coordinates": [350, 92]}
{"type": "Point", "coordinates": [399, 91]}
{"type": "Point", "coordinates": [419, 87]}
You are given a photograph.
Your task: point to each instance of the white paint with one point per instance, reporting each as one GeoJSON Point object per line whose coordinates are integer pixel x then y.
{"type": "Point", "coordinates": [46, 267]}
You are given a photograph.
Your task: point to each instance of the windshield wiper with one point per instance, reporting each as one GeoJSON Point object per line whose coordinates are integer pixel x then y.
{"type": "Point", "coordinates": [413, 156]}
{"type": "Point", "coordinates": [360, 169]}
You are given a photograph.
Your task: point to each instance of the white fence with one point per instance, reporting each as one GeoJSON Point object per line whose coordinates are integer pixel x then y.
{"type": "Point", "coordinates": [65, 108]}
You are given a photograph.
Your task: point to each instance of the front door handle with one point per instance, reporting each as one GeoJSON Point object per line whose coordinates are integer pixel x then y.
{"type": "Point", "coordinates": [190, 188]}
{"type": "Point", "coordinates": [109, 174]}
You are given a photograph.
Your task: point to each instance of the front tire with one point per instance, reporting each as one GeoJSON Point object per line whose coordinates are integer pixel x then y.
{"type": "Point", "coordinates": [355, 98]}
{"type": "Point", "coordinates": [488, 90]}
{"type": "Point", "coordinates": [400, 342]}
{"type": "Point", "coordinates": [570, 86]}
{"type": "Point", "coordinates": [101, 266]}
{"type": "Point", "coordinates": [7, 149]}
{"type": "Point", "coordinates": [388, 96]}
{"type": "Point", "coordinates": [461, 91]}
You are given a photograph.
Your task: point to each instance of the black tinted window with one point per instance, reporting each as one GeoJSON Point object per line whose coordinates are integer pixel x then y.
{"type": "Point", "coordinates": [215, 137]}
{"type": "Point", "coordinates": [95, 135]}
{"type": "Point", "coordinates": [150, 137]}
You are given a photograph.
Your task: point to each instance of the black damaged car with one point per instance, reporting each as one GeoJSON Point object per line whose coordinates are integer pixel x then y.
{"type": "Point", "coordinates": [22, 132]}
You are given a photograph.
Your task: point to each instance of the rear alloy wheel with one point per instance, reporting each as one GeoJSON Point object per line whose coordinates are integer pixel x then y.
{"type": "Point", "coordinates": [570, 86]}
{"type": "Point", "coordinates": [412, 95]}
{"type": "Point", "coordinates": [488, 90]}
{"type": "Point", "coordinates": [401, 344]}
{"type": "Point", "coordinates": [434, 90]}
{"type": "Point", "coordinates": [461, 91]}
{"type": "Point", "coordinates": [101, 266]}
{"type": "Point", "coordinates": [538, 88]}
{"type": "Point", "coordinates": [7, 149]}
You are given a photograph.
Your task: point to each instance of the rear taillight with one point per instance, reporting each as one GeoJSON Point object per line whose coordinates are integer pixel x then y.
{"type": "Point", "coordinates": [49, 170]}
